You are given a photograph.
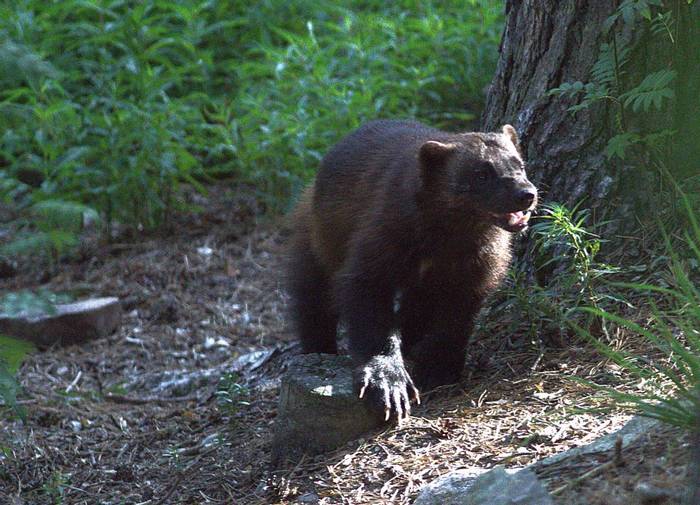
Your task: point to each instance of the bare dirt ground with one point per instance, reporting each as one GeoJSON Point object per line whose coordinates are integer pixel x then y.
{"type": "Point", "coordinates": [212, 290]}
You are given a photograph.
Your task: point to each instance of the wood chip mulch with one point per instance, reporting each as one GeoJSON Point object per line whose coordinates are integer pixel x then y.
{"type": "Point", "coordinates": [211, 290]}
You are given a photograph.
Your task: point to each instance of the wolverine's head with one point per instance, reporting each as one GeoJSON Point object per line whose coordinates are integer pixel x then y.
{"type": "Point", "coordinates": [483, 174]}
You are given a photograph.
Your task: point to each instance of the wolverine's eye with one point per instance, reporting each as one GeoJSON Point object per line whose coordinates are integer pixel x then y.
{"type": "Point", "coordinates": [483, 171]}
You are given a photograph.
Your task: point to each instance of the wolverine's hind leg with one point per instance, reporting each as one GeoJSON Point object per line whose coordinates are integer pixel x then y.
{"type": "Point", "coordinates": [316, 321]}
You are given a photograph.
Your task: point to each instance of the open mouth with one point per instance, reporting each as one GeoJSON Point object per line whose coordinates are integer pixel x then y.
{"type": "Point", "coordinates": [513, 221]}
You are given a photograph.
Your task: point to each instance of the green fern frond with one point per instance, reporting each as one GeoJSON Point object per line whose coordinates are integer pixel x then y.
{"type": "Point", "coordinates": [631, 9]}
{"type": "Point", "coordinates": [651, 92]}
{"type": "Point", "coordinates": [568, 89]}
{"type": "Point", "coordinates": [603, 71]}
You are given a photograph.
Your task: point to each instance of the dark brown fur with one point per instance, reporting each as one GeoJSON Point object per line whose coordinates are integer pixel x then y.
{"type": "Point", "coordinates": [391, 219]}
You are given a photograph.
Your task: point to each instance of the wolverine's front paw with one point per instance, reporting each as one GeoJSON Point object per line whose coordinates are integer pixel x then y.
{"type": "Point", "coordinates": [384, 381]}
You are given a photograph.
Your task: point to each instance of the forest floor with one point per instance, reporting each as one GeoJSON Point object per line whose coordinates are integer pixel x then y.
{"type": "Point", "coordinates": [211, 291]}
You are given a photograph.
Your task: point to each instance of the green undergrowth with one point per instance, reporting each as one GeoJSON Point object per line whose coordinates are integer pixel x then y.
{"type": "Point", "coordinates": [667, 372]}
{"type": "Point", "coordinates": [108, 107]}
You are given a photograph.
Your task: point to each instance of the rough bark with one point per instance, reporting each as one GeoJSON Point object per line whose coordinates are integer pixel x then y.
{"type": "Point", "coordinates": [546, 43]}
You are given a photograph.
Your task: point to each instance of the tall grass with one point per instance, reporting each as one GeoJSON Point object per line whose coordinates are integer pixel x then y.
{"type": "Point", "coordinates": [669, 378]}
{"type": "Point", "coordinates": [115, 104]}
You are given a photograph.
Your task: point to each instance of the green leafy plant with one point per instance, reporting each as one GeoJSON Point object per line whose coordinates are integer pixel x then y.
{"type": "Point", "coordinates": [51, 227]}
{"type": "Point", "coordinates": [562, 239]}
{"type": "Point", "coordinates": [567, 275]}
{"type": "Point", "coordinates": [231, 394]}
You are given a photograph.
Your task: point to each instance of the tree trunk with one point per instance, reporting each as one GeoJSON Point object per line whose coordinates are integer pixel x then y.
{"type": "Point", "coordinates": [546, 43]}
{"type": "Point", "coordinates": [549, 42]}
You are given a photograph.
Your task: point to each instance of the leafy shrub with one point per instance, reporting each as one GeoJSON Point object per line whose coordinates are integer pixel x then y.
{"type": "Point", "coordinates": [652, 105]}
{"type": "Point", "coordinates": [231, 394]}
{"type": "Point", "coordinates": [606, 80]}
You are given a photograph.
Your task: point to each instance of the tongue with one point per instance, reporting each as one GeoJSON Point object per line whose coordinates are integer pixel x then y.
{"type": "Point", "coordinates": [516, 218]}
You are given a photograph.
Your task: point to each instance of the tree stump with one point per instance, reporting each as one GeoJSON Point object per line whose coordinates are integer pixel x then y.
{"type": "Point", "coordinates": [318, 409]}
{"type": "Point", "coordinates": [71, 323]}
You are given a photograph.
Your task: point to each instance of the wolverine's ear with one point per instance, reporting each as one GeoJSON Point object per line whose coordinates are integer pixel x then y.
{"type": "Point", "coordinates": [510, 132]}
{"type": "Point", "coordinates": [434, 153]}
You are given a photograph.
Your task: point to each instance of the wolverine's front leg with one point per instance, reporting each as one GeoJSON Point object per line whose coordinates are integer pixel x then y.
{"type": "Point", "coordinates": [365, 298]}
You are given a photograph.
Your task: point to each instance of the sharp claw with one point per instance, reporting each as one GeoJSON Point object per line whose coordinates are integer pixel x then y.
{"type": "Point", "coordinates": [416, 395]}
{"type": "Point", "coordinates": [397, 404]}
{"type": "Point", "coordinates": [387, 414]}
{"type": "Point", "coordinates": [362, 391]}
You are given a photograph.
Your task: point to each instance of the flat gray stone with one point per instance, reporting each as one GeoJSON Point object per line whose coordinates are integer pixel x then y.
{"type": "Point", "coordinates": [448, 487]}
{"type": "Point", "coordinates": [495, 487]}
{"type": "Point", "coordinates": [318, 409]}
{"type": "Point", "coordinates": [71, 323]}
{"type": "Point", "coordinates": [631, 431]}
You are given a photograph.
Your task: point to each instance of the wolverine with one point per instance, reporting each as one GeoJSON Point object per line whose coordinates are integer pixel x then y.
{"type": "Point", "coordinates": [403, 234]}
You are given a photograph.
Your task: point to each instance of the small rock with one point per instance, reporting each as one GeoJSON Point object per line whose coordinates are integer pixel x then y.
{"type": "Point", "coordinates": [76, 426]}
{"type": "Point", "coordinates": [71, 323]}
{"type": "Point", "coordinates": [318, 408]}
{"type": "Point", "coordinates": [211, 440]}
{"type": "Point", "coordinates": [211, 342]}
{"type": "Point", "coordinates": [495, 487]}
{"type": "Point", "coordinates": [121, 422]}
{"type": "Point", "coordinates": [631, 431]}
{"type": "Point", "coordinates": [205, 251]}
{"type": "Point", "coordinates": [448, 486]}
